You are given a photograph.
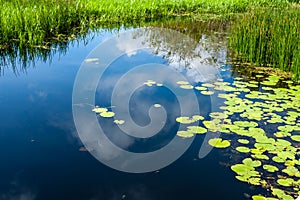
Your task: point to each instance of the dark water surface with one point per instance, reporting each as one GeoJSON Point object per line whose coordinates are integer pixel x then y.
{"type": "Point", "coordinates": [40, 148]}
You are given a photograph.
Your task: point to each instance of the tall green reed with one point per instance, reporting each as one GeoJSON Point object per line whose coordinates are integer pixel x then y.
{"type": "Point", "coordinates": [269, 37]}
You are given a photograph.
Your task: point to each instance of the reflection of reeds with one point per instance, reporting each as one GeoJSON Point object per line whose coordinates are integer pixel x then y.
{"type": "Point", "coordinates": [269, 37]}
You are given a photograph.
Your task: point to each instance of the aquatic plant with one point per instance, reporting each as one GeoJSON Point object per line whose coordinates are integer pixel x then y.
{"type": "Point", "coordinates": [268, 37]}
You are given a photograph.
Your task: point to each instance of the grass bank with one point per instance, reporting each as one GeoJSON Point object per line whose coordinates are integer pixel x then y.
{"type": "Point", "coordinates": [268, 37]}
{"type": "Point", "coordinates": [37, 22]}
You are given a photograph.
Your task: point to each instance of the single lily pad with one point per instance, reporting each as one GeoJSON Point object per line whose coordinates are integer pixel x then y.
{"type": "Point", "coordinates": [207, 92]}
{"type": "Point", "coordinates": [243, 149]}
{"type": "Point", "coordinates": [252, 163]}
{"type": "Point", "coordinates": [285, 182]}
{"type": "Point", "coordinates": [182, 83]}
{"type": "Point", "coordinates": [270, 168]}
{"type": "Point", "coordinates": [187, 87]}
{"type": "Point", "coordinates": [107, 114]}
{"type": "Point", "coordinates": [200, 88]}
{"type": "Point", "coordinates": [243, 141]}
{"type": "Point", "coordinates": [185, 120]}
{"type": "Point", "coordinates": [157, 105]}
{"type": "Point", "coordinates": [197, 129]}
{"type": "Point", "coordinates": [119, 122]}
{"type": "Point", "coordinates": [296, 138]}
{"type": "Point", "coordinates": [99, 110]}
{"type": "Point", "coordinates": [219, 143]}
{"type": "Point", "coordinates": [185, 134]}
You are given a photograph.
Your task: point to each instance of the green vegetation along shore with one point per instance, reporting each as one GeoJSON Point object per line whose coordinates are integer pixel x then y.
{"type": "Point", "coordinates": [44, 23]}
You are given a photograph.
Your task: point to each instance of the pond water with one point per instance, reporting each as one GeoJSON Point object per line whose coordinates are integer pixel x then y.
{"type": "Point", "coordinates": [44, 155]}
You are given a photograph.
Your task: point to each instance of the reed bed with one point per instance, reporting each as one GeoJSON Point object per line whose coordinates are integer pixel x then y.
{"type": "Point", "coordinates": [268, 37]}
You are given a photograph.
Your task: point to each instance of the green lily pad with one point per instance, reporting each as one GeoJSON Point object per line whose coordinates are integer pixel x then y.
{"type": "Point", "coordinates": [285, 182]}
{"type": "Point", "coordinates": [197, 117]}
{"type": "Point", "coordinates": [182, 83]}
{"type": "Point", "coordinates": [157, 105]}
{"type": "Point", "coordinates": [197, 129]}
{"type": "Point", "coordinates": [185, 134]}
{"type": "Point", "coordinates": [219, 143]}
{"type": "Point", "coordinates": [207, 92]}
{"type": "Point", "coordinates": [99, 110]}
{"type": "Point", "coordinates": [241, 169]}
{"type": "Point", "coordinates": [200, 88]}
{"type": "Point", "coordinates": [185, 120]}
{"type": "Point", "coordinates": [252, 163]}
{"type": "Point", "coordinates": [259, 197]}
{"type": "Point", "coordinates": [260, 156]}
{"type": "Point", "coordinates": [218, 115]}
{"type": "Point", "coordinates": [187, 87]}
{"type": "Point", "coordinates": [296, 138]}
{"type": "Point", "coordinates": [243, 141]}
{"type": "Point", "coordinates": [270, 168]}
{"type": "Point", "coordinates": [278, 159]}
{"type": "Point", "coordinates": [149, 83]}
{"type": "Point", "coordinates": [243, 149]}
{"type": "Point", "coordinates": [208, 85]}
{"type": "Point", "coordinates": [291, 171]}
{"type": "Point", "coordinates": [254, 181]}
{"type": "Point", "coordinates": [119, 122]}
{"type": "Point", "coordinates": [107, 114]}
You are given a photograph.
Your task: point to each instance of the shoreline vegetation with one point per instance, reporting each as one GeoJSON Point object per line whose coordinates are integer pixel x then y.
{"type": "Point", "coordinates": [36, 24]}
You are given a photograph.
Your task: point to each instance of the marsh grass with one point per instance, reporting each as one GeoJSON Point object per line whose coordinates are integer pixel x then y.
{"type": "Point", "coordinates": [40, 22]}
{"type": "Point", "coordinates": [268, 37]}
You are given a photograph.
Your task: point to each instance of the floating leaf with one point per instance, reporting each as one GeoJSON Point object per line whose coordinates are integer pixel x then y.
{"type": "Point", "coordinates": [208, 85]}
{"type": "Point", "coordinates": [119, 122]}
{"type": "Point", "coordinates": [219, 143]}
{"type": "Point", "coordinates": [278, 159]}
{"type": "Point", "coordinates": [157, 105]}
{"type": "Point", "coordinates": [243, 149]}
{"type": "Point", "coordinates": [185, 120]}
{"type": "Point", "coordinates": [291, 171]}
{"type": "Point", "coordinates": [243, 141]}
{"type": "Point", "coordinates": [182, 83]}
{"type": "Point", "coordinates": [187, 87]}
{"type": "Point", "coordinates": [107, 114]}
{"type": "Point", "coordinates": [197, 129]}
{"type": "Point", "coordinates": [252, 163]}
{"type": "Point", "coordinates": [99, 110]}
{"type": "Point", "coordinates": [197, 117]}
{"type": "Point", "coordinates": [200, 88]}
{"type": "Point", "coordinates": [149, 83]}
{"type": "Point", "coordinates": [270, 168]}
{"type": "Point", "coordinates": [259, 197]}
{"type": "Point", "coordinates": [89, 60]}
{"type": "Point", "coordinates": [185, 134]}
{"type": "Point", "coordinates": [260, 156]}
{"type": "Point", "coordinates": [285, 182]}
{"type": "Point", "coordinates": [296, 138]}
{"type": "Point", "coordinates": [218, 115]}
{"type": "Point", "coordinates": [207, 92]}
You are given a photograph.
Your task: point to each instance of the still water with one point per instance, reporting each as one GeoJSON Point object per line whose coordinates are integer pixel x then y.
{"type": "Point", "coordinates": [43, 157]}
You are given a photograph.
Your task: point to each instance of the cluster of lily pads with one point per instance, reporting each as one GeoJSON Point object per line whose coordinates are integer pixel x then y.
{"type": "Point", "coordinates": [259, 121]}
{"type": "Point", "coordinates": [263, 122]}
{"type": "Point", "coordinates": [103, 112]}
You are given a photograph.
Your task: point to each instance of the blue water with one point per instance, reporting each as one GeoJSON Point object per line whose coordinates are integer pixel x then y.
{"type": "Point", "coordinates": [40, 147]}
